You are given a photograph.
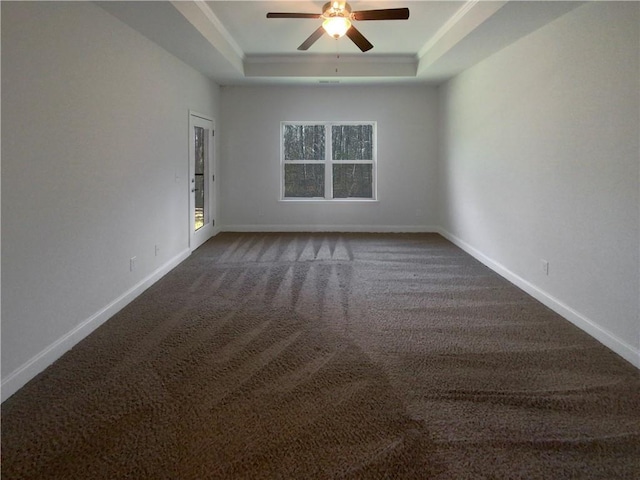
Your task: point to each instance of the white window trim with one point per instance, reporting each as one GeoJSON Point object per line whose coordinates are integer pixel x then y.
{"type": "Point", "coordinates": [329, 162]}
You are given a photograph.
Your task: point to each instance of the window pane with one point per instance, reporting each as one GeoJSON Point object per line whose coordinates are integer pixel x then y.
{"type": "Point", "coordinates": [352, 142]}
{"type": "Point", "coordinates": [304, 142]}
{"type": "Point", "coordinates": [304, 180]}
{"type": "Point", "coordinates": [199, 146]}
{"type": "Point", "coordinates": [354, 180]}
{"type": "Point", "coordinates": [199, 177]}
{"type": "Point", "coordinates": [199, 186]}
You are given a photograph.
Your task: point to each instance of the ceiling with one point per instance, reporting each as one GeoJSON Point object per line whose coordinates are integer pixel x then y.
{"type": "Point", "coordinates": [233, 43]}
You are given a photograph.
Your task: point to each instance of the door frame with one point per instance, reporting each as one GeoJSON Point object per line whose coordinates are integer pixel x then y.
{"type": "Point", "coordinates": [205, 232]}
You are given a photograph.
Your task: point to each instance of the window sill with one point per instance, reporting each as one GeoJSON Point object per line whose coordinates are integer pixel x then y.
{"type": "Point", "coordinates": [332, 200]}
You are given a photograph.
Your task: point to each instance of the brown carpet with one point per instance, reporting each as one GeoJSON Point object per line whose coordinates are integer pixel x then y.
{"type": "Point", "coordinates": [302, 356]}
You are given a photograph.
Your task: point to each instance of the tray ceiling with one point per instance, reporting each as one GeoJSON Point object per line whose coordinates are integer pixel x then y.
{"type": "Point", "coordinates": [233, 42]}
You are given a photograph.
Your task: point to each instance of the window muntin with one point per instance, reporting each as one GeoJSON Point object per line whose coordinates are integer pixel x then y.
{"type": "Point", "coordinates": [328, 160]}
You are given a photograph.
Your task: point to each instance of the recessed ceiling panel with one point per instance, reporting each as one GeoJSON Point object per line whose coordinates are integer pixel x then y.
{"type": "Point", "coordinates": [256, 35]}
{"type": "Point", "coordinates": [233, 42]}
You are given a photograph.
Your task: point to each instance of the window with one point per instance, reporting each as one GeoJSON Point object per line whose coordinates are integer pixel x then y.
{"type": "Point", "coordinates": [328, 160]}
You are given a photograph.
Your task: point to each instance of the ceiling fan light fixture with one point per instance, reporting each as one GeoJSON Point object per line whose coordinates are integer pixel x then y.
{"type": "Point", "coordinates": [336, 26]}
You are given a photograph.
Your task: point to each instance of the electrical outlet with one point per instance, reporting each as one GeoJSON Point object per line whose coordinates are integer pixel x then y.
{"type": "Point", "coordinates": [545, 267]}
{"type": "Point", "coordinates": [157, 250]}
{"type": "Point", "coordinates": [132, 264]}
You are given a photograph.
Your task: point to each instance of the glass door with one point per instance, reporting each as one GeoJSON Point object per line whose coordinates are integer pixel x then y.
{"type": "Point", "coordinates": [200, 180]}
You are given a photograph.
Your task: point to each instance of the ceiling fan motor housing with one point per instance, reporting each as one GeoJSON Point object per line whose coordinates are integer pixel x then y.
{"type": "Point", "coordinates": [336, 9]}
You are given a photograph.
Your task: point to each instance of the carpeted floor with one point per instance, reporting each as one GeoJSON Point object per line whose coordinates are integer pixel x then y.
{"type": "Point", "coordinates": [304, 356]}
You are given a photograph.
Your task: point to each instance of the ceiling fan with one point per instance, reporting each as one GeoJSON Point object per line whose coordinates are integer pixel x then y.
{"type": "Point", "coordinates": [338, 16]}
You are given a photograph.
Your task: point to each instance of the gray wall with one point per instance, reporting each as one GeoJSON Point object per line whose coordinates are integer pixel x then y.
{"type": "Point", "coordinates": [407, 157]}
{"type": "Point", "coordinates": [95, 133]}
{"type": "Point", "coordinates": [540, 160]}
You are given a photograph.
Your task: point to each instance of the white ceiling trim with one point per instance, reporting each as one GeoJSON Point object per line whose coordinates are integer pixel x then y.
{"type": "Point", "coordinates": [472, 14]}
{"type": "Point", "coordinates": [196, 13]}
{"type": "Point", "coordinates": [354, 58]}
{"type": "Point", "coordinates": [217, 24]}
{"type": "Point", "coordinates": [331, 66]}
{"type": "Point", "coordinates": [442, 31]}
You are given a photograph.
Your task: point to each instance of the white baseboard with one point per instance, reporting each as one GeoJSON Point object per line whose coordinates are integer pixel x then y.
{"type": "Point", "coordinates": [332, 228]}
{"type": "Point", "coordinates": [619, 346]}
{"type": "Point", "coordinates": [21, 375]}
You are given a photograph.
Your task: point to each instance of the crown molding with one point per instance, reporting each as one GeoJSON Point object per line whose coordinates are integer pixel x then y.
{"type": "Point", "coordinates": [466, 19]}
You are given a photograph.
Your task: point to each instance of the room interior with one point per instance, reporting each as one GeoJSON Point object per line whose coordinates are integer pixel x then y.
{"type": "Point", "coordinates": [508, 128]}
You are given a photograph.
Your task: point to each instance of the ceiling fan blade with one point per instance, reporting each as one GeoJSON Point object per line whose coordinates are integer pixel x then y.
{"type": "Point", "coordinates": [293, 15]}
{"type": "Point", "coordinates": [357, 38]}
{"type": "Point", "coordinates": [312, 39]}
{"type": "Point", "coordinates": [386, 14]}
